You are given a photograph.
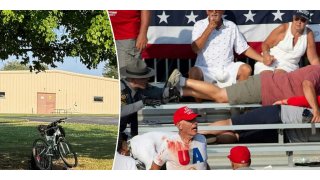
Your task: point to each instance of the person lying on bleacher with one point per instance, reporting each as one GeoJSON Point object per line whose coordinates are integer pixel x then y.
{"type": "Point", "coordinates": [300, 101]}
{"type": "Point", "coordinates": [276, 114]}
{"type": "Point", "coordinates": [285, 45]}
{"type": "Point", "coordinates": [265, 88]}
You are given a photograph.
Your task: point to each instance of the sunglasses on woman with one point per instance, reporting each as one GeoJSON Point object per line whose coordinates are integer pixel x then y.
{"type": "Point", "coordinates": [301, 19]}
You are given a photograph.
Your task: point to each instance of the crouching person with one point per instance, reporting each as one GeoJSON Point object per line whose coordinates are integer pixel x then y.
{"type": "Point", "coordinates": [122, 160]}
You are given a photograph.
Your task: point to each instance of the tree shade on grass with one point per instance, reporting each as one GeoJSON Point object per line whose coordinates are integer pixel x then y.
{"type": "Point", "coordinates": [94, 144]}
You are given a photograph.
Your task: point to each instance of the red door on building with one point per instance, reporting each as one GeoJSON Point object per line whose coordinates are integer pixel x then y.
{"type": "Point", "coordinates": [46, 103]}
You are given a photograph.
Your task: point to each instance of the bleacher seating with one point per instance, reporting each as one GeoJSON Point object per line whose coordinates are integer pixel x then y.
{"type": "Point", "coordinates": [165, 124]}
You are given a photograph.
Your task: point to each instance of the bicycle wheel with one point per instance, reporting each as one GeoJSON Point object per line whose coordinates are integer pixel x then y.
{"type": "Point", "coordinates": [43, 161]}
{"type": "Point", "coordinates": [68, 156]}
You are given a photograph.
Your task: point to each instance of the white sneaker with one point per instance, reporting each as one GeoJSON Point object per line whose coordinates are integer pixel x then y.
{"type": "Point", "coordinates": [174, 79]}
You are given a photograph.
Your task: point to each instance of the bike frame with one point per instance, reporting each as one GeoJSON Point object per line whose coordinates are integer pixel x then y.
{"type": "Point", "coordinates": [52, 140]}
{"type": "Point", "coordinates": [54, 136]}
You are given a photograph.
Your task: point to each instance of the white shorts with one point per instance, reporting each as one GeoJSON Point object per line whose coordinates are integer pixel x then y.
{"type": "Point", "coordinates": [209, 74]}
{"type": "Point", "coordinates": [286, 66]}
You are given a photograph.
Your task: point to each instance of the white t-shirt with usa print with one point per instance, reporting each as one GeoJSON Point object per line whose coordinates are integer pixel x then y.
{"type": "Point", "coordinates": [177, 155]}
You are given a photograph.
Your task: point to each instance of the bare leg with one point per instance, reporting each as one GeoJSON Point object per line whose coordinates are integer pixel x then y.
{"type": "Point", "coordinates": [193, 93]}
{"type": "Point", "coordinates": [226, 122]}
{"type": "Point", "coordinates": [244, 72]}
{"type": "Point", "coordinates": [196, 73]}
{"type": "Point", "coordinates": [204, 90]}
{"type": "Point", "coordinates": [222, 136]}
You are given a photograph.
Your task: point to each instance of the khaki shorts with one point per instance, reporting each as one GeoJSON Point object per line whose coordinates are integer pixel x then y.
{"type": "Point", "coordinates": [245, 92]}
{"type": "Point", "coordinates": [126, 51]}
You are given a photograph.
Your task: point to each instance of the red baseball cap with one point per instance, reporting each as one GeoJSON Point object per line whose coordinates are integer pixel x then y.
{"type": "Point", "coordinates": [240, 154]}
{"type": "Point", "coordinates": [184, 113]}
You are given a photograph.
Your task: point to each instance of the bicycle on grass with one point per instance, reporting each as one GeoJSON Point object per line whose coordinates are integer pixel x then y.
{"type": "Point", "coordinates": [53, 147]}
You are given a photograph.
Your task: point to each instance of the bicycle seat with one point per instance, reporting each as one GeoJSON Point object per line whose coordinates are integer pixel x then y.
{"type": "Point", "coordinates": [42, 129]}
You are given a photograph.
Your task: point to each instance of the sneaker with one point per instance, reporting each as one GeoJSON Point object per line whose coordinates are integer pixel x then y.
{"type": "Point", "coordinates": [174, 79]}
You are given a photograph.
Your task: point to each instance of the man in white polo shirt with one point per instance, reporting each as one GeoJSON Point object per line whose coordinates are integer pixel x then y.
{"type": "Point", "coordinates": [215, 40]}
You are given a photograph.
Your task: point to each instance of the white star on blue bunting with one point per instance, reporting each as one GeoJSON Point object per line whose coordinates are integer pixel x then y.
{"type": "Point", "coordinates": [278, 15]}
{"type": "Point", "coordinates": [163, 17]}
{"type": "Point", "coordinates": [191, 17]}
{"type": "Point", "coordinates": [311, 14]}
{"type": "Point", "coordinates": [249, 16]}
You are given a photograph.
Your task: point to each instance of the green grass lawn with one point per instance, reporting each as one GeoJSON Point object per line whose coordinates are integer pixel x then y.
{"type": "Point", "coordinates": [94, 144]}
{"type": "Point", "coordinates": [57, 115]}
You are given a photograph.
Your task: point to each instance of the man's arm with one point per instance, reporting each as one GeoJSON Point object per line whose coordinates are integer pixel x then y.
{"type": "Point", "coordinates": [199, 43]}
{"type": "Point", "coordinates": [126, 108]}
{"type": "Point", "coordinates": [154, 166]}
{"type": "Point", "coordinates": [310, 94]}
{"type": "Point", "coordinates": [142, 38]}
{"type": "Point", "coordinates": [131, 108]}
{"type": "Point", "coordinates": [311, 49]}
{"type": "Point", "coordinates": [251, 53]}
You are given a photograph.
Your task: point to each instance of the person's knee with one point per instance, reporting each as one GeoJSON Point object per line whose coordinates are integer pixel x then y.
{"type": "Point", "coordinates": [220, 96]}
{"type": "Point", "coordinates": [195, 73]}
{"type": "Point", "coordinates": [245, 70]}
{"type": "Point", "coordinates": [279, 71]}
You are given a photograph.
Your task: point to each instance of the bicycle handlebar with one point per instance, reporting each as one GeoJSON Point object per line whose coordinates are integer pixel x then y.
{"type": "Point", "coordinates": [54, 123]}
{"type": "Point", "coordinates": [62, 119]}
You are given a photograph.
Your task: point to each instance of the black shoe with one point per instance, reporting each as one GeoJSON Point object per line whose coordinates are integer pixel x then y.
{"type": "Point", "coordinates": [174, 95]}
{"type": "Point", "coordinates": [211, 139]}
{"type": "Point", "coordinates": [140, 165]}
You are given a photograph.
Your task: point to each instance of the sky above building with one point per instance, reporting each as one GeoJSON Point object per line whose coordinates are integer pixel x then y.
{"type": "Point", "coordinates": [72, 65]}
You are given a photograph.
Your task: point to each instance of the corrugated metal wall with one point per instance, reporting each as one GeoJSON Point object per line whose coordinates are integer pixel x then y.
{"type": "Point", "coordinates": [74, 92]}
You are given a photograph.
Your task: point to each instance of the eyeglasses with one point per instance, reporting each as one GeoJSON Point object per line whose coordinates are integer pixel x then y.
{"type": "Point", "coordinates": [303, 20]}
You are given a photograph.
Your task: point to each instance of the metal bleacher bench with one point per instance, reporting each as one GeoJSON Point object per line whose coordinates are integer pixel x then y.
{"type": "Point", "coordinates": [204, 105]}
{"type": "Point", "coordinates": [281, 146]}
{"type": "Point", "coordinates": [149, 114]}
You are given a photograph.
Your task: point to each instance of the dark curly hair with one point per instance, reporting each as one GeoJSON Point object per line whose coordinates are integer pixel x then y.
{"type": "Point", "coordinates": [122, 137]}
